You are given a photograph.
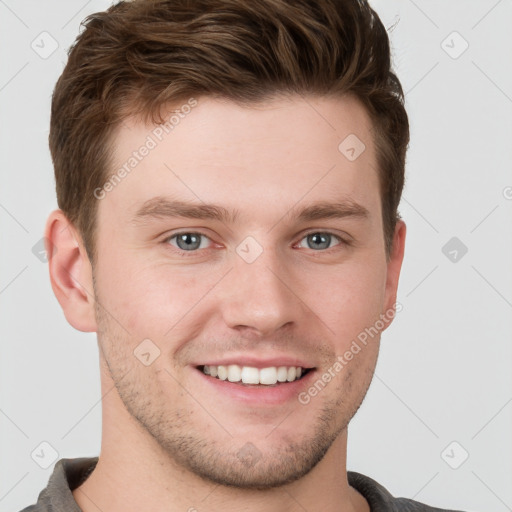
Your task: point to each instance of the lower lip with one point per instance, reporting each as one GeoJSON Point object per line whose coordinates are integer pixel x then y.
{"type": "Point", "coordinates": [266, 395]}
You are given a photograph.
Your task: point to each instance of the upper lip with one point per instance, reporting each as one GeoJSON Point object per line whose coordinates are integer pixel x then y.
{"type": "Point", "coordinates": [258, 361]}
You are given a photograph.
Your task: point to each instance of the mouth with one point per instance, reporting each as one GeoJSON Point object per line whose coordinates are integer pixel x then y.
{"type": "Point", "coordinates": [250, 376]}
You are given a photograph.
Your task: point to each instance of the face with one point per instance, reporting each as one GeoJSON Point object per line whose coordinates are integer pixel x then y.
{"type": "Point", "coordinates": [244, 239]}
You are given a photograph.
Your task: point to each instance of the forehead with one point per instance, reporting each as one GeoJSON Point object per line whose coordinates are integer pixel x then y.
{"type": "Point", "coordinates": [280, 151]}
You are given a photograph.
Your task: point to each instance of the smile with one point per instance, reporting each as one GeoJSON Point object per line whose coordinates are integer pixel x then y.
{"type": "Point", "coordinates": [269, 376]}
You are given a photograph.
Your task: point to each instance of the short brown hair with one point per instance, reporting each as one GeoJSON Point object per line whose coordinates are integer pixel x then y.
{"type": "Point", "coordinates": [139, 56]}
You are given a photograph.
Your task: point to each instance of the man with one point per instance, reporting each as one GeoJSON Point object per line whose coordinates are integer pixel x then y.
{"type": "Point", "coordinates": [228, 175]}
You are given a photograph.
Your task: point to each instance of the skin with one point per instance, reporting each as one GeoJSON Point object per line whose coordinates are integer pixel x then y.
{"type": "Point", "coordinates": [170, 440]}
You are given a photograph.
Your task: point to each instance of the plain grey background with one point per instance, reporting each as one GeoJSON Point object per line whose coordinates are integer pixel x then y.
{"type": "Point", "coordinates": [436, 424]}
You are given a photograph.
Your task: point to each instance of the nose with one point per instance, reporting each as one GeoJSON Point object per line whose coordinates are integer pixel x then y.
{"type": "Point", "coordinates": [260, 296]}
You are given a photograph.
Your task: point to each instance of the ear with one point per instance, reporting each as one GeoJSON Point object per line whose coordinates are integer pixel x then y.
{"type": "Point", "coordinates": [394, 266]}
{"type": "Point", "coordinates": [70, 272]}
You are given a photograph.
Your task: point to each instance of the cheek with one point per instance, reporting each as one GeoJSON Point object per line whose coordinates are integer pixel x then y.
{"type": "Point", "coordinates": [150, 298]}
{"type": "Point", "coordinates": [349, 299]}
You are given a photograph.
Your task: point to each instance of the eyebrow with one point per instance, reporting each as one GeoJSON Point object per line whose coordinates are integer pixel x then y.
{"type": "Point", "coordinates": [161, 207]}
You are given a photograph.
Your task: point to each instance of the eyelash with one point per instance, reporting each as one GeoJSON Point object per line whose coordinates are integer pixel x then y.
{"type": "Point", "coordinates": [342, 241]}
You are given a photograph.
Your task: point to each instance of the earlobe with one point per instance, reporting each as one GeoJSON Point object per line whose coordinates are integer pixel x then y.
{"type": "Point", "coordinates": [70, 272]}
{"type": "Point", "coordinates": [394, 266]}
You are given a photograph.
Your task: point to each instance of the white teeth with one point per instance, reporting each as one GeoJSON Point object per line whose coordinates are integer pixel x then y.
{"type": "Point", "coordinates": [222, 372]}
{"type": "Point", "coordinates": [234, 373]}
{"type": "Point", "coordinates": [268, 375]}
{"type": "Point", "coordinates": [282, 373]}
{"type": "Point", "coordinates": [250, 375]}
{"type": "Point", "coordinates": [292, 372]}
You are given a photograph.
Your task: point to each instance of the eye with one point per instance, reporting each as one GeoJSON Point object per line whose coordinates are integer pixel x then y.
{"type": "Point", "coordinates": [188, 241]}
{"type": "Point", "coordinates": [191, 241]}
{"type": "Point", "coordinates": [320, 240]}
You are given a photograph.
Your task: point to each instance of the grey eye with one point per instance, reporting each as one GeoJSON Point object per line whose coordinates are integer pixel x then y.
{"type": "Point", "coordinates": [319, 241]}
{"type": "Point", "coordinates": [187, 241]}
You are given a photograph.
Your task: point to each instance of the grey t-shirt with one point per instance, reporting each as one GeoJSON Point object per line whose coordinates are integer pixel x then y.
{"type": "Point", "coordinates": [68, 474]}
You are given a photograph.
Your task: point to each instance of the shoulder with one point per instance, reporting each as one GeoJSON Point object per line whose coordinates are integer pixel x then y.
{"type": "Point", "coordinates": [381, 500]}
{"type": "Point", "coordinates": [67, 475]}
